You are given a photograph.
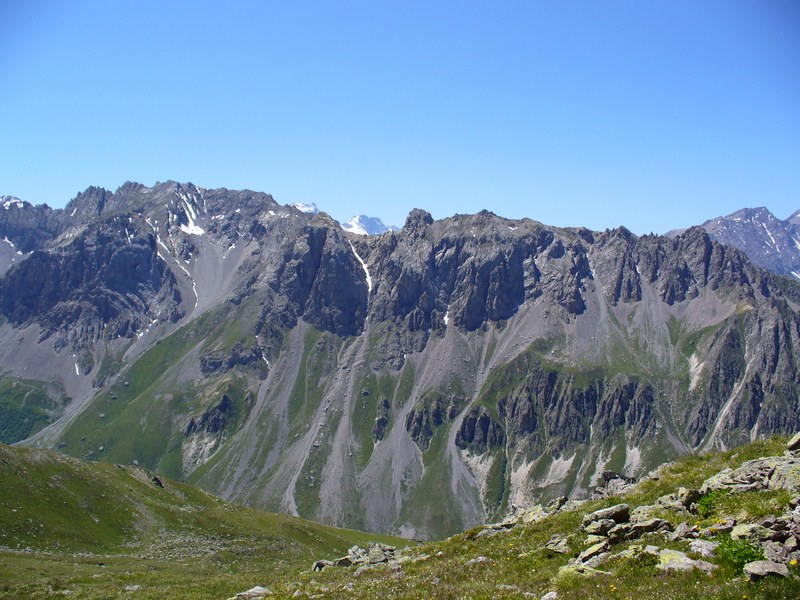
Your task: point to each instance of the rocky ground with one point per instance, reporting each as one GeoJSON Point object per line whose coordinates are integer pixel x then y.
{"type": "Point", "coordinates": [734, 534]}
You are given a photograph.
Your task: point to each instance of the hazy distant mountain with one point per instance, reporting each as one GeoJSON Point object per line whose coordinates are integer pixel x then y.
{"type": "Point", "coordinates": [420, 382]}
{"type": "Point", "coordinates": [364, 225]}
{"type": "Point", "coordinates": [768, 241]}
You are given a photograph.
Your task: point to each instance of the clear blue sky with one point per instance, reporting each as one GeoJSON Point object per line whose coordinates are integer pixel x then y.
{"type": "Point", "coordinates": [654, 115]}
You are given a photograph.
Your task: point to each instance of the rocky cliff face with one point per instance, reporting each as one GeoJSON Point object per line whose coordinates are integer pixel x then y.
{"type": "Point", "coordinates": [768, 241]}
{"type": "Point", "coordinates": [419, 381]}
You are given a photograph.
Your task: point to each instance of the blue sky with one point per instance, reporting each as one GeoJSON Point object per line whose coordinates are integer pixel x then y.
{"type": "Point", "coordinates": [652, 115]}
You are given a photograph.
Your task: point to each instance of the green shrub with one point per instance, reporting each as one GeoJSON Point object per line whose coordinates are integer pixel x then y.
{"type": "Point", "coordinates": [708, 502]}
{"type": "Point", "coordinates": [738, 552]}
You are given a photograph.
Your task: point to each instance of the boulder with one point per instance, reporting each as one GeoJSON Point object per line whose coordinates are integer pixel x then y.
{"type": "Point", "coordinates": [321, 564]}
{"type": "Point", "coordinates": [724, 526]}
{"type": "Point", "coordinates": [591, 540]}
{"type": "Point", "coordinates": [764, 568]}
{"type": "Point", "coordinates": [357, 555]}
{"type": "Point", "coordinates": [557, 544]}
{"type": "Point", "coordinates": [572, 569]}
{"type": "Point", "coordinates": [550, 596]}
{"type": "Point", "coordinates": [537, 513]}
{"type": "Point", "coordinates": [593, 551]}
{"type": "Point", "coordinates": [556, 504]}
{"type": "Point", "coordinates": [687, 497]}
{"type": "Point", "coordinates": [670, 502]}
{"type": "Point", "coordinates": [619, 533]}
{"type": "Point", "coordinates": [794, 443]}
{"type": "Point", "coordinates": [342, 562]}
{"type": "Point", "coordinates": [675, 560]}
{"type": "Point", "coordinates": [775, 552]}
{"type": "Point", "coordinates": [255, 593]}
{"type": "Point", "coordinates": [645, 512]}
{"type": "Point", "coordinates": [749, 531]}
{"type": "Point", "coordinates": [637, 530]}
{"type": "Point", "coordinates": [684, 531]}
{"type": "Point", "coordinates": [637, 550]}
{"type": "Point", "coordinates": [751, 476]}
{"type": "Point", "coordinates": [619, 513]}
{"type": "Point", "coordinates": [599, 527]}
{"type": "Point", "coordinates": [705, 548]}
{"type": "Point", "coordinates": [786, 476]}
{"type": "Point", "coordinates": [379, 554]}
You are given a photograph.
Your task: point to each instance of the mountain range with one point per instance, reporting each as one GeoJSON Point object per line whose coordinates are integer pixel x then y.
{"type": "Point", "coordinates": [417, 382]}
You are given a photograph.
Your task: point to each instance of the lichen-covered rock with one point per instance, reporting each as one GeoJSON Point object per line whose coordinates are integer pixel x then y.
{"type": "Point", "coordinates": [723, 526]}
{"type": "Point", "coordinates": [764, 568]}
{"type": "Point", "coordinates": [794, 443]}
{"type": "Point", "coordinates": [592, 539]}
{"type": "Point", "coordinates": [637, 550]}
{"type": "Point", "coordinates": [786, 476]}
{"type": "Point", "coordinates": [558, 544]}
{"type": "Point", "coordinates": [675, 560]}
{"type": "Point", "coordinates": [572, 569]}
{"type": "Point", "coordinates": [705, 548]}
{"type": "Point", "coordinates": [684, 531]}
{"type": "Point", "coordinates": [534, 514]}
{"type": "Point", "coordinates": [749, 531]}
{"type": "Point", "coordinates": [640, 528]}
{"type": "Point", "coordinates": [775, 552]}
{"type": "Point", "coordinates": [619, 533]}
{"type": "Point", "coordinates": [593, 551]}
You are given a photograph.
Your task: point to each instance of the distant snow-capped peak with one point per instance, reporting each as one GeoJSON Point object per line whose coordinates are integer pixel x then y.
{"type": "Point", "coordinates": [364, 225]}
{"type": "Point", "coordinates": [310, 209]}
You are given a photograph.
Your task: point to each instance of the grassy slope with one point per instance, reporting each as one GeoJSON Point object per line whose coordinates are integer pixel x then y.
{"type": "Point", "coordinates": [517, 563]}
{"type": "Point", "coordinates": [95, 528]}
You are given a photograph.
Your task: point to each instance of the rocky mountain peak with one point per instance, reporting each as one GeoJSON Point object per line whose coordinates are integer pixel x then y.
{"type": "Point", "coordinates": [9, 202]}
{"type": "Point", "coordinates": [88, 204]}
{"type": "Point", "coordinates": [417, 220]}
{"type": "Point", "coordinates": [768, 241]}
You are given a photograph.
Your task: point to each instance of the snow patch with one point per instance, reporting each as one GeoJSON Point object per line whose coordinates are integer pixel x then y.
{"type": "Point", "coordinates": [9, 201]}
{"type": "Point", "coordinates": [77, 370]}
{"type": "Point", "coordinates": [512, 228]}
{"type": "Point", "coordinates": [309, 209]}
{"type": "Point", "coordinates": [447, 317]}
{"type": "Point", "coordinates": [363, 266]}
{"type": "Point", "coordinates": [771, 238]}
{"type": "Point", "coordinates": [191, 215]}
{"type": "Point", "coordinates": [796, 274]}
{"type": "Point", "coordinates": [8, 241]}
